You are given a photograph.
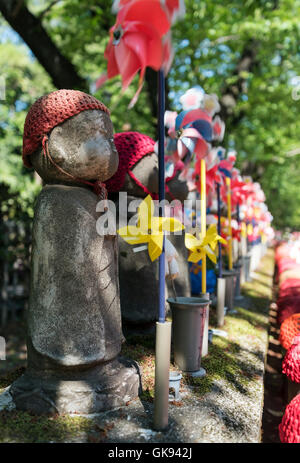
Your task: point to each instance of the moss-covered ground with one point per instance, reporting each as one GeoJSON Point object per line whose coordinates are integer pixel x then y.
{"type": "Point", "coordinates": [249, 324]}
{"type": "Point", "coordinates": [225, 361]}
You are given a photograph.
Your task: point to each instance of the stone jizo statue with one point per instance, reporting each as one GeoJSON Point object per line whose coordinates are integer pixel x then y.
{"type": "Point", "coordinates": [137, 175]}
{"type": "Point", "coordinates": [74, 319]}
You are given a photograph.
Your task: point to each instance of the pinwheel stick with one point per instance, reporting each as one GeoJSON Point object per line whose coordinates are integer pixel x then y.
{"type": "Point", "coordinates": [161, 174]}
{"type": "Point", "coordinates": [163, 328]}
{"type": "Point", "coordinates": [238, 221]}
{"type": "Point", "coordinates": [219, 230]}
{"type": "Point", "coordinates": [228, 184]}
{"type": "Point", "coordinates": [203, 219]}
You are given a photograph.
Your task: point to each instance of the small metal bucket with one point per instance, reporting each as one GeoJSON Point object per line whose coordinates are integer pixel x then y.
{"type": "Point", "coordinates": [247, 267]}
{"type": "Point", "coordinates": [229, 276]}
{"type": "Point", "coordinates": [237, 289]}
{"type": "Point", "coordinates": [188, 319]}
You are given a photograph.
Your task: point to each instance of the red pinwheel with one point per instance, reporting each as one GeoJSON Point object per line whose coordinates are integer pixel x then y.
{"type": "Point", "coordinates": [236, 230]}
{"type": "Point", "coordinates": [218, 128]}
{"type": "Point", "coordinates": [137, 41]}
{"type": "Point", "coordinates": [212, 171]}
{"type": "Point", "coordinates": [226, 170]}
{"type": "Point", "coordinates": [238, 191]}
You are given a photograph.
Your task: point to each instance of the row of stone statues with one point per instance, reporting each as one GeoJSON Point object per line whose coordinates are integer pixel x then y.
{"type": "Point", "coordinates": [78, 275]}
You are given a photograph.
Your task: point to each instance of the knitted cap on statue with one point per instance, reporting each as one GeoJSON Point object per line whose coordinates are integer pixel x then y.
{"type": "Point", "coordinates": [131, 147]}
{"type": "Point", "coordinates": [48, 112]}
{"type": "Point", "coordinates": [51, 110]}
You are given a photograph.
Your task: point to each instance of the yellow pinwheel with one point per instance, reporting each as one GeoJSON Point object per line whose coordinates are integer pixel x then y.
{"type": "Point", "coordinates": [249, 229]}
{"type": "Point", "coordinates": [150, 229]}
{"type": "Point", "coordinates": [202, 247]}
{"type": "Point", "coordinates": [214, 237]}
{"type": "Point", "coordinates": [244, 230]}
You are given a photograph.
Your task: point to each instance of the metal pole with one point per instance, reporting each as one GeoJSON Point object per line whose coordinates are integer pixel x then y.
{"type": "Point", "coordinates": [219, 230]}
{"type": "Point", "coordinates": [161, 195]}
{"type": "Point", "coordinates": [202, 179]}
{"type": "Point", "coordinates": [163, 328]}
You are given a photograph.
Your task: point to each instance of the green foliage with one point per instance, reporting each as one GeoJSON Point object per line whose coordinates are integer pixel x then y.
{"type": "Point", "coordinates": [263, 124]}
{"type": "Point", "coordinates": [25, 80]}
{"type": "Point", "coordinates": [209, 44]}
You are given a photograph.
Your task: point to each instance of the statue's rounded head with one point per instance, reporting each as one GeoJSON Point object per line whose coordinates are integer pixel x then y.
{"type": "Point", "coordinates": [68, 137]}
{"type": "Point", "coordinates": [176, 187]}
{"type": "Point", "coordinates": [137, 173]}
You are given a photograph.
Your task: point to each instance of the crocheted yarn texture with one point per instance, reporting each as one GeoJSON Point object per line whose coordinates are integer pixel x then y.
{"type": "Point", "coordinates": [51, 110]}
{"type": "Point", "coordinates": [291, 362]}
{"type": "Point", "coordinates": [289, 329]}
{"type": "Point", "coordinates": [131, 147]}
{"type": "Point", "coordinates": [289, 428]}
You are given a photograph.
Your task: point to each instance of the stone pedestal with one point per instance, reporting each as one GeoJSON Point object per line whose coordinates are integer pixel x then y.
{"type": "Point", "coordinates": [85, 391]}
{"type": "Point", "coordinates": [74, 319]}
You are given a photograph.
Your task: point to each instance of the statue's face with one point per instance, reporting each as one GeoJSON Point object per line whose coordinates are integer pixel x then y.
{"type": "Point", "coordinates": [178, 189]}
{"type": "Point", "coordinates": [146, 171]}
{"type": "Point", "coordinates": [83, 146]}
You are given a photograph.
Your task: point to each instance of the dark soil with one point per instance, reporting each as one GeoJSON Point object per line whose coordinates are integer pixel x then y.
{"type": "Point", "coordinates": [274, 395]}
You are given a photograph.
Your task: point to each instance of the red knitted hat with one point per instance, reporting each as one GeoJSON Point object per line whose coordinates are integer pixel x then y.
{"type": "Point", "coordinates": [289, 428]}
{"type": "Point", "coordinates": [131, 147]}
{"type": "Point", "coordinates": [51, 110]}
{"type": "Point", "coordinates": [291, 362]}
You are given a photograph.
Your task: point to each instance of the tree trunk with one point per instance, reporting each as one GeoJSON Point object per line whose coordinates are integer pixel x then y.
{"type": "Point", "coordinates": [30, 28]}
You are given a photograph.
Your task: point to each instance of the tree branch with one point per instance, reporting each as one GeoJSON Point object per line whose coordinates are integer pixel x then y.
{"type": "Point", "coordinates": [30, 28]}
{"type": "Point", "coordinates": [152, 89]}
{"type": "Point", "coordinates": [232, 92]}
{"type": "Point", "coordinates": [47, 9]}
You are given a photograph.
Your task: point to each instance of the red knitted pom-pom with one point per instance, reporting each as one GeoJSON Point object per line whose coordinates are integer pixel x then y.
{"type": "Point", "coordinates": [291, 362]}
{"type": "Point", "coordinates": [289, 428]}
{"type": "Point", "coordinates": [289, 329]}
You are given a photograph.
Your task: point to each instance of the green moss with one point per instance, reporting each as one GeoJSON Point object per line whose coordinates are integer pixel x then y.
{"type": "Point", "coordinates": [142, 349]}
{"type": "Point", "coordinates": [16, 426]}
{"type": "Point", "coordinates": [10, 377]}
{"type": "Point", "coordinates": [222, 363]}
{"type": "Point", "coordinates": [226, 359]}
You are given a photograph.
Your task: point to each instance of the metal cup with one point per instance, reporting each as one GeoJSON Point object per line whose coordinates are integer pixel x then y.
{"type": "Point", "coordinates": [188, 320]}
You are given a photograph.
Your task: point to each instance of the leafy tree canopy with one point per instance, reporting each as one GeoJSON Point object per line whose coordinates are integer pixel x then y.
{"type": "Point", "coordinates": [245, 52]}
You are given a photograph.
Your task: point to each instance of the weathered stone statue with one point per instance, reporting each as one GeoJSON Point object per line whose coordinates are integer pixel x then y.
{"type": "Point", "coordinates": [177, 190]}
{"type": "Point", "coordinates": [74, 320]}
{"type": "Point", "coordinates": [137, 175]}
